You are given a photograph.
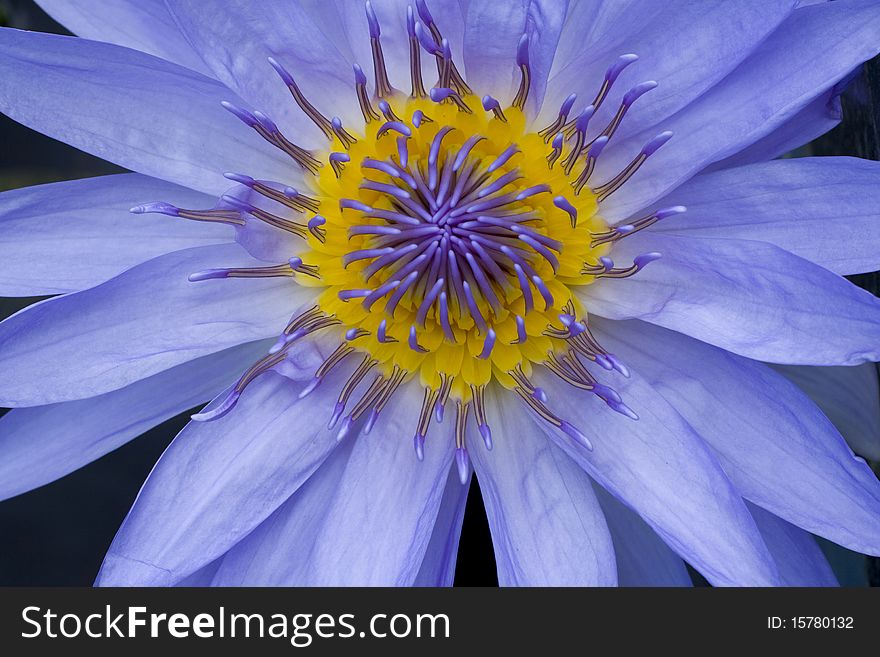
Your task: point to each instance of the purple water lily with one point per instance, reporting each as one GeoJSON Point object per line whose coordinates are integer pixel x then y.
{"type": "Point", "coordinates": [392, 245]}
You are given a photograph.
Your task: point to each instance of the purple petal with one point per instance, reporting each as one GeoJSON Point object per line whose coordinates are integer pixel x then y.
{"type": "Point", "coordinates": [69, 236]}
{"type": "Point", "coordinates": [144, 321]}
{"type": "Point", "coordinates": [748, 297]}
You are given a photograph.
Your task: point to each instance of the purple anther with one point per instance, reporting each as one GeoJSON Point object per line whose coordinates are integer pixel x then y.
{"type": "Point", "coordinates": [439, 94]}
{"type": "Point", "coordinates": [371, 421]}
{"type": "Point", "coordinates": [617, 67]}
{"type": "Point", "coordinates": [443, 302]}
{"type": "Point", "coordinates": [486, 433]}
{"type": "Point", "coordinates": [245, 116]}
{"type": "Point", "coordinates": [428, 301]}
{"type": "Point", "coordinates": [310, 387]}
{"type": "Point", "coordinates": [641, 260]}
{"type": "Point", "coordinates": [505, 155]}
{"type": "Point", "coordinates": [365, 254]}
{"type": "Point", "coordinates": [625, 229]}
{"type": "Point", "coordinates": [348, 295]}
{"type": "Point", "coordinates": [265, 122]}
{"type": "Point", "coordinates": [623, 409]}
{"type": "Point", "coordinates": [402, 149]}
{"type": "Point", "coordinates": [462, 463]}
{"type": "Point", "coordinates": [159, 207]}
{"type": "Point", "coordinates": [336, 122]}
{"type": "Point", "coordinates": [295, 262]}
{"type": "Point", "coordinates": [563, 204]}
{"type": "Point", "coordinates": [534, 190]}
{"type": "Point", "coordinates": [424, 14]}
{"type": "Point", "coordinates": [207, 274]}
{"type": "Point", "coordinates": [540, 395]}
{"type": "Point", "coordinates": [372, 21]}
{"type": "Point", "coordinates": [413, 341]}
{"type": "Point", "coordinates": [575, 433]}
{"type": "Point", "coordinates": [282, 72]}
{"type": "Point", "coordinates": [521, 335]}
{"type": "Point", "coordinates": [465, 150]}
{"type": "Point", "coordinates": [220, 410]}
{"type": "Point", "coordinates": [618, 366]}
{"type": "Point", "coordinates": [427, 41]}
{"type": "Point", "coordinates": [522, 51]}
{"type": "Point", "coordinates": [668, 212]}
{"type": "Point", "coordinates": [541, 286]}
{"type": "Point", "coordinates": [583, 119]}
{"type": "Point", "coordinates": [490, 104]}
{"type": "Point", "coordinates": [359, 77]}
{"type": "Point", "coordinates": [567, 319]}
{"type": "Point", "coordinates": [410, 22]}
{"type": "Point", "coordinates": [381, 335]}
{"type": "Point", "coordinates": [240, 178]}
{"type": "Point", "coordinates": [344, 429]}
{"type": "Point", "coordinates": [566, 106]}
{"type": "Point", "coordinates": [339, 157]}
{"type": "Point", "coordinates": [654, 145]}
{"type": "Point", "coordinates": [603, 362]}
{"type": "Point", "coordinates": [446, 49]}
{"type": "Point", "coordinates": [597, 147]}
{"type": "Point", "coordinates": [397, 126]}
{"type": "Point", "coordinates": [316, 221]}
{"type": "Point", "coordinates": [352, 204]}
{"type": "Point", "coordinates": [337, 413]}
{"type": "Point", "coordinates": [488, 344]}
{"type": "Point", "coordinates": [637, 91]}
{"type": "Point", "coordinates": [419, 446]}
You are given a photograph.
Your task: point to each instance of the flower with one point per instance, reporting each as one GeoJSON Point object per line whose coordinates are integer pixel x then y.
{"type": "Point", "coordinates": [470, 254]}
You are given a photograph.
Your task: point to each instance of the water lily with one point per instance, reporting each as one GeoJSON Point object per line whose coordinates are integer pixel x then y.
{"type": "Point", "coordinates": [398, 243]}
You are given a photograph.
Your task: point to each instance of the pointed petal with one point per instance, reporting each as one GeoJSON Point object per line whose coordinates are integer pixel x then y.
{"type": "Point", "coordinates": [144, 25]}
{"type": "Point", "coordinates": [811, 52]}
{"type": "Point", "coordinates": [794, 311]}
{"type": "Point", "coordinates": [132, 109]}
{"type": "Point", "coordinates": [796, 553]}
{"type": "Point", "coordinates": [823, 209]}
{"type": "Point", "coordinates": [43, 443]}
{"type": "Point", "coordinates": [547, 527]}
{"type": "Point", "coordinates": [659, 467]}
{"type": "Point", "coordinates": [72, 235]}
{"type": "Point", "coordinates": [142, 322]}
{"type": "Point", "coordinates": [774, 443]}
{"type": "Point", "coordinates": [438, 567]}
{"type": "Point", "coordinates": [219, 480]}
{"type": "Point", "coordinates": [849, 397]}
{"type": "Point", "coordinates": [643, 559]}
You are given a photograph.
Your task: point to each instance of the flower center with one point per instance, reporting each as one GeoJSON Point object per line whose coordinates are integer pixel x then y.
{"type": "Point", "coordinates": [449, 244]}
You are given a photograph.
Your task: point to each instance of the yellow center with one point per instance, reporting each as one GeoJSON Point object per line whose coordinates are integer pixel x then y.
{"type": "Point", "coordinates": [444, 357]}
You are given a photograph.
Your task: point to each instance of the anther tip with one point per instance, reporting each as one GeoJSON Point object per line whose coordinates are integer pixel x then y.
{"type": "Point", "coordinates": [486, 433]}
{"type": "Point", "coordinates": [359, 75]}
{"type": "Point", "coordinates": [522, 50]}
{"type": "Point", "coordinates": [282, 72]}
{"type": "Point", "coordinates": [462, 463]}
{"type": "Point", "coordinates": [159, 207]}
{"type": "Point", "coordinates": [643, 259]}
{"type": "Point", "coordinates": [239, 178]}
{"type": "Point", "coordinates": [372, 21]}
{"type": "Point", "coordinates": [575, 433]}
{"type": "Point", "coordinates": [419, 446]}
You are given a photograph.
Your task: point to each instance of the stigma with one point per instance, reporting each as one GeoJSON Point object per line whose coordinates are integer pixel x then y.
{"type": "Point", "coordinates": [446, 238]}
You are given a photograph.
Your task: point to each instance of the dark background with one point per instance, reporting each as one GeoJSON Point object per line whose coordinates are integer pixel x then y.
{"type": "Point", "coordinates": [57, 534]}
